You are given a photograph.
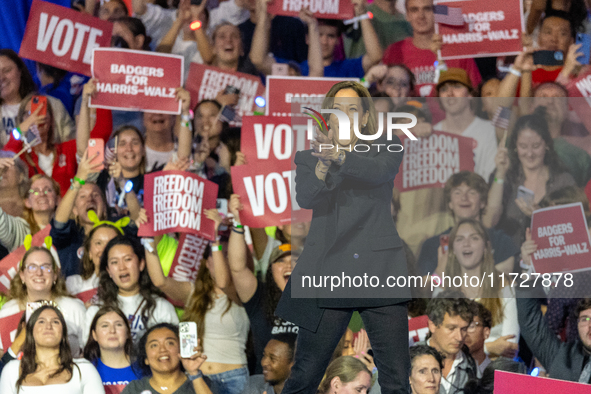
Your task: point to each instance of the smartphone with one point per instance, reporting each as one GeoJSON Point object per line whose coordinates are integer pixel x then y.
{"type": "Point", "coordinates": [36, 101]}
{"type": "Point", "coordinates": [188, 337]}
{"type": "Point", "coordinates": [31, 307]}
{"type": "Point", "coordinates": [444, 242]}
{"type": "Point", "coordinates": [97, 145]}
{"type": "Point", "coordinates": [548, 58]}
{"type": "Point", "coordinates": [525, 194]}
{"type": "Point", "coordinates": [228, 114]}
{"type": "Point", "coordinates": [585, 41]}
{"type": "Point", "coordinates": [279, 69]}
{"type": "Point", "coordinates": [222, 207]}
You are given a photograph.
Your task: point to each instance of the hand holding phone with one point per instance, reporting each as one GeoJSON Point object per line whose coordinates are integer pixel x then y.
{"type": "Point", "coordinates": [188, 337]}
{"type": "Point", "coordinates": [39, 101]}
{"type": "Point", "coordinates": [97, 145]}
{"type": "Point", "coordinates": [585, 41]}
{"type": "Point", "coordinates": [526, 195]}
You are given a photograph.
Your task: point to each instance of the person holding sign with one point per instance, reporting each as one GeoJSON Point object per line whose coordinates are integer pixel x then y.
{"type": "Point", "coordinates": [39, 278]}
{"type": "Point", "coordinates": [352, 233]}
{"type": "Point", "coordinates": [48, 365]}
{"type": "Point", "coordinates": [124, 282]}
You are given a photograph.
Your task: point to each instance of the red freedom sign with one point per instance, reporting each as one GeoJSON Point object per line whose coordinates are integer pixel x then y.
{"type": "Point", "coordinates": [327, 9]}
{"type": "Point", "coordinates": [418, 328]}
{"type": "Point", "coordinates": [187, 258]}
{"type": "Point", "coordinates": [281, 90]}
{"type": "Point", "coordinates": [562, 238]}
{"type": "Point", "coordinates": [271, 138]}
{"type": "Point", "coordinates": [9, 326]}
{"type": "Point", "coordinates": [175, 201]}
{"type": "Point", "coordinates": [205, 82]}
{"type": "Point", "coordinates": [9, 264]}
{"type": "Point", "coordinates": [62, 37]}
{"type": "Point", "coordinates": [266, 192]}
{"type": "Point", "coordinates": [515, 383]}
{"type": "Point", "coordinates": [137, 80]}
{"type": "Point", "coordinates": [428, 162]}
{"type": "Point", "coordinates": [491, 28]}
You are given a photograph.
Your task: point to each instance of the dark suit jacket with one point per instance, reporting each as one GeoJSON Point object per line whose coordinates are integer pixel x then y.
{"type": "Point", "coordinates": [352, 233]}
{"type": "Point", "coordinates": [564, 361]}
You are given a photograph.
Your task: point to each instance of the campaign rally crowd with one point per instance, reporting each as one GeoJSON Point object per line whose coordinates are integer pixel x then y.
{"type": "Point", "coordinates": [88, 306]}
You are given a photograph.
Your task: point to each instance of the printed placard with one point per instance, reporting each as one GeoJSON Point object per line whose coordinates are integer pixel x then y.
{"type": "Point", "coordinates": [430, 161]}
{"type": "Point", "coordinates": [271, 138]}
{"type": "Point", "coordinates": [205, 82]}
{"type": "Point", "coordinates": [9, 326]}
{"type": "Point", "coordinates": [266, 192]}
{"type": "Point", "coordinates": [515, 383]}
{"type": "Point", "coordinates": [281, 90]}
{"type": "Point", "coordinates": [175, 201]}
{"type": "Point", "coordinates": [561, 235]}
{"type": "Point", "coordinates": [188, 257]}
{"type": "Point", "coordinates": [63, 38]}
{"type": "Point", "coordinates": [326, 9]}
{"type": "Point", "coordinates": [131, 80]}
{"type": "Point", "coordinates": [579, 96]}
{"type": "Point", "coordinates": [418, 328]}
{"type": "Point", "coordinates": [491, 28]}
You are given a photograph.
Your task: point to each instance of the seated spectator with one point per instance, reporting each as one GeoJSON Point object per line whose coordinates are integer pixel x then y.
{"type": "Point", "coordinates": [388, 22]}
{"type": "Point", "coordinates": [109, 347]}
{"type": "Point", "coordinates": [416, 52]}
{"type": "Point", "coordinates": [259, 297]}
{"type": "Point", "coordinates": [212, 303]}
{"type": "Point", "coordinates": [471, 255]}
{"type": "Point", "coordinates": [529, 161]}
{"type": "Point", "coordinates": [487, 383]}
{"type": "Point", "coordinates": [278, 358]}
{"type": "Point", "coordinates": [450, 315]}
{"type": "Point", "coordinates": [162, 367]}
{"type": "Point", "coordinates": [466, 194]}
{"type": "Point", "coordinates": [125, 283]}
{"type": "Point", "coordinates": [85, 285]}
{"type": "Point", "coordinates": [47, 360]}
{"type": "Point", "coordinates": [478, 333]}
{"type": "Point", "coordinates": [425, 372]}
{"type": "Point", "coordinates": [455, 94]}
{"type": "Point", "coordinates": [39, 279]}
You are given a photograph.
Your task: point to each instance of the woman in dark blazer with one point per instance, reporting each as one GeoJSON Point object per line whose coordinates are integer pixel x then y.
{"type": "Point", "coordinates": [352, 235]}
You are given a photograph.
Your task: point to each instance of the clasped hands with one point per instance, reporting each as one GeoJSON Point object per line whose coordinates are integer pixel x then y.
{"type": "Point", "coordinates": [325, 148]}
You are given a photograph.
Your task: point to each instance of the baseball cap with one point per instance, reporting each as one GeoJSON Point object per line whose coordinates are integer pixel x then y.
{"type": "Point", "coordinates": [279, 252]}
{"type": "Point", "coordinates": [455, 75]}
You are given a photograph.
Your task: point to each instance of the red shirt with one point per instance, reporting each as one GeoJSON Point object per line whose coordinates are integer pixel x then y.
{"type": "Point", "coordinates": [65, 163]}
{"type": "Point", "coordinates": [422, 63]}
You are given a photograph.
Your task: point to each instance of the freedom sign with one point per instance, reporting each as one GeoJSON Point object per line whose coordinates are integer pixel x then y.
{"type": "Point", "coordinates": [175, 201]}
{"type": "Point", "coordinates": [418, 328]}
{"type": "Point", "coordinates": [562, 238]}
{"type": "Point", "coordinates": [327, 9]}
{"type": "Point", "coordinates": [187, 259]}
{"type": "Point", "coordinates": [136, 80]}
{"type": "Point", "coordinates": [265, 189]}
{"type": "Point", "coordinates": [9, 264]}
{"type": "Point", "coordinates": [429, 162]}
{"type": "Point", "coordinates": [515, 383]}
{"type": "Point", "coordinates": [9, 326]}
{"type": "Point", "coordinates": [205, 82]}
{"type": "Point", "coordinates": [271, 138]}
{"type": "Point", "coordinates": [63, 38]}
{"type": "Point", "coordinates": [491, 28]}
{"type": "Point", "coordinates": [281, 90]}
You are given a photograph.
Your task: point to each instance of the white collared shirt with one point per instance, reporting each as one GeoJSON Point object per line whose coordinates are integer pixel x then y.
{"type": "Point", "coordinates": [446, 381]}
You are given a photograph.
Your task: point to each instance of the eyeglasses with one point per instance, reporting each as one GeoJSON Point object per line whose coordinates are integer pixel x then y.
{"type": "Point", "coordinates": [584, 320]}
{"type": "Point", "coordinates": [396, 84]}
{"type": "Point", "coordinates": [37, 192]}
{"type": "Point", "coordinates": [473, 325]}
{"type": "Point", "coordinates": [45, 268]}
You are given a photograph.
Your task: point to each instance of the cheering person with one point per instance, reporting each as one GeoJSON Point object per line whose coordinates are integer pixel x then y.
{"type": "Point", "coordinates": [352, 232]}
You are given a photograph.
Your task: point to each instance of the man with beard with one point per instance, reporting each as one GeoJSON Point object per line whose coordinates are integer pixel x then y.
{"type": "Point", "coordinates": [456, 93]}
{"type": "Point", "coordinates": [277, 361]}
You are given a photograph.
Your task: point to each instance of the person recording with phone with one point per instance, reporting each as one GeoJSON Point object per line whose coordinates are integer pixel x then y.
{"type": "Point", "coordinates": [352, 232]}
{"type": "Point", "coordinates": [164, 371]}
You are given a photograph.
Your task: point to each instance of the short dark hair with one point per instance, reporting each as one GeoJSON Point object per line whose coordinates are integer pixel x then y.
{"type": "Point", "coordinates": [582, 305]}
{"type": "Point", "coordinates": [453, 303]}
{"type": "Point", "coordinates": [289, 340]}
{"type": "Point", "coordinates": [484, 315]}
{"type": "Point", "coordinates": [472, 180]}
{"type": "Point", "coordinates": [334, 23]}
{"type": "Point", "coordinates": [424, 350]}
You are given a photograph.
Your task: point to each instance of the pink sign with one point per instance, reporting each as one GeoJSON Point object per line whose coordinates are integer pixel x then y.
{"type": "Point", "coordinates": [514, 383]}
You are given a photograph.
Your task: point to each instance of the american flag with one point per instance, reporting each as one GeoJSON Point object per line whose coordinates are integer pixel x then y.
{"type": "Point", "coordinates": [32, 138]}
{"type": "Point", "coordinates": [501, 118]}
{"type": "Point", "coordinates": [448, 15]}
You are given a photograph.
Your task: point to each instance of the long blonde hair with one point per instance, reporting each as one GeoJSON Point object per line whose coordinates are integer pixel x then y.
{"type": "Point", "coordinates": [490, 291]}
{"type": "Point", "coordinates": [28, 212]}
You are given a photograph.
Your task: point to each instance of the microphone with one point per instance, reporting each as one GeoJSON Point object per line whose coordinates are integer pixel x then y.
{"type": "Point", "coordinates": [355, 21]}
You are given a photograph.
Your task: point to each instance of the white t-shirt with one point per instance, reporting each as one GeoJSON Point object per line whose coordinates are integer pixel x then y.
{"type": "Point", "coordinates": [83, 289]}
{"type": "Point", "coordinates": [9, 112]}
{"type": "Point", "coordinates": [163, 313]}
{"type": "Point", "coordinates": [483, 132]}
{"type": "Point", "coordinates": [85, 380]}
{"type": "Point", "coordinates": [46, 163]}
{"type": "Point", "coordinates": [154, 157]}
{"type": "Point", "coordinates": [74, 313]}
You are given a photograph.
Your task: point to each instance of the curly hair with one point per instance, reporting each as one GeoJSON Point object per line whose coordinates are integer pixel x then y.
{"type": "Point", "coordinates": [108, 292]}
{"type": "Point", "coordinates": [18, 289]}
{"type": "Point", "coordinates": [453, 303]}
